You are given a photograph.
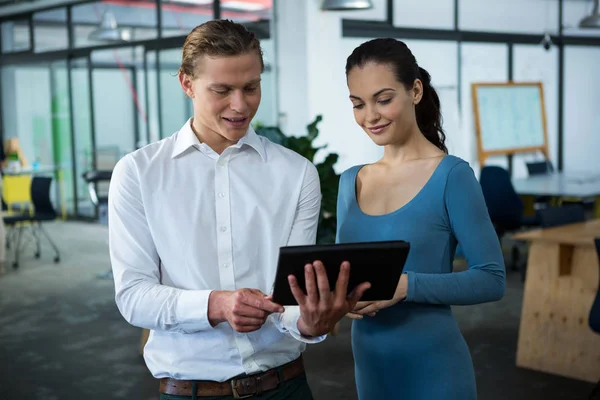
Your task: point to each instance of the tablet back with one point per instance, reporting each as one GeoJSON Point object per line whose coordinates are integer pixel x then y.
{"type": "Point", "coordinates": [379, 263]}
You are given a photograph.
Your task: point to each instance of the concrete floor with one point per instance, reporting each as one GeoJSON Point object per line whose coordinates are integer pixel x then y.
{"type": "Point", "coordinates": [62, 338]}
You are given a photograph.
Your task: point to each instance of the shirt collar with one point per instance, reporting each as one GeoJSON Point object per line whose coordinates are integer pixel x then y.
{"type": "Point", "coordinates": [186, 139]}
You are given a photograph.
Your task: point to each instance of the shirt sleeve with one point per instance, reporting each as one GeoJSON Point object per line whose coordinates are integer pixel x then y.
{"type": "Point", "coordinates": [141, 298]}
{"type": "Point", "coordinates": [485, 279]}
{"type": "Point", "coordinates": [304, 232]}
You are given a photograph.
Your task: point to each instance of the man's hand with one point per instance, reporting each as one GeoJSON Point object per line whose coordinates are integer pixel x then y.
{"type": "Point", "coordinates": [321, 309]}
{"type": "Point", "coordinates": [246, 310]}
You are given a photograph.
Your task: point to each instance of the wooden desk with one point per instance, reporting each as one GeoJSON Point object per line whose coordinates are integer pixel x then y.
{"type": "Point", "coordinates": [562, 281]}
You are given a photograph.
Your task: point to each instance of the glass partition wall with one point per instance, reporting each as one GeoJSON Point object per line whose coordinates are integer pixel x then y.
{"type": "Point", "coordinates": [77, 96]}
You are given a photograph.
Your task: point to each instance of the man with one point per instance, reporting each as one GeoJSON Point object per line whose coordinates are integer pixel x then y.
{"type": "Point", "coordinates": [196, 221]}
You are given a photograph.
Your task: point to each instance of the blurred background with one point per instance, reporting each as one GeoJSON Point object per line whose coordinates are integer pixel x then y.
{"type": "Point", "coordinates": [84, 82]}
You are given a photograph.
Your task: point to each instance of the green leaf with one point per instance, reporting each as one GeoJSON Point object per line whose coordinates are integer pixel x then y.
{"type": "Point", "coordinates": [329, 179]}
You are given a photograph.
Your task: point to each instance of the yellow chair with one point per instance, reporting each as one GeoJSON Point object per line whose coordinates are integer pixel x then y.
{"type": "Point", "coordinates": [16, 191]}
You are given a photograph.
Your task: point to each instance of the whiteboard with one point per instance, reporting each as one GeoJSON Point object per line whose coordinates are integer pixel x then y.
{"type": "Point", "coordinates": [510, 117]}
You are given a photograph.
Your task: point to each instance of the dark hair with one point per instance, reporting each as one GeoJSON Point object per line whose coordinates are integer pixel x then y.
{"type": "Point", "coordinates": [398, 56]}
{"type": "Point", "coordinates": [217, 38]}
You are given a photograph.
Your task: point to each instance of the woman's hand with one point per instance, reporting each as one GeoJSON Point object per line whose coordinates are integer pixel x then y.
{"type": "Point", "coordinates": [370, 308]}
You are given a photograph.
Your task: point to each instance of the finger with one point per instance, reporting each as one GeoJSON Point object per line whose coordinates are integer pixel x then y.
{"type": "Point", "coordinates": [239, 321]}
{"type": "Point", "coordinates": [244, 310]}
{"type": "Point", "coordinates": [361, 304]}
{"type": "Point", "coordinates": [372, 314]}
{"type": "Point", "coordinates": [341, 286]}
{"type": "Point", "coordinates": [311, 287]}
{"type": "Point", "coordinates": [296, 291]}
{"type": "Point", "coordinates": [322, 281]}
{"type": "Point", "coordinates": [261, 303]}
{"type": "Point", "coordinates": [246, 328]}
{"type": "Point", "coordinates": [354, 316]}
{"type": "Point", "coordinates": [373, 308]}
{"type": "Point", "coordinates": [357, 293]}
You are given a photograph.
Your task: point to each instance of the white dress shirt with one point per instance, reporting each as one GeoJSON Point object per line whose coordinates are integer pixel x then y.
{"type": "Point", "coordinates": [183, 221]}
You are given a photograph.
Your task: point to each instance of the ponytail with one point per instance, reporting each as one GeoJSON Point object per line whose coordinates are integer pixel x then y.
{"type": "Point", "coordinates": [429, 116]}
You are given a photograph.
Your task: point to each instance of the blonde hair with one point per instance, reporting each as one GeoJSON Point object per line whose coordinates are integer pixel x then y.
{"type": "Point", "coordinates": [217, 38]}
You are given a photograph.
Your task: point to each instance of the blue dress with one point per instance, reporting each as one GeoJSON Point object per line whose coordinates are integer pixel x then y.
{"type": "Point", "coordinates": [414, 350]}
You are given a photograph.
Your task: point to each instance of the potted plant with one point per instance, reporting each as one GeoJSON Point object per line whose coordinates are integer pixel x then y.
{"type": "Point", "coordinates": [304, 145]}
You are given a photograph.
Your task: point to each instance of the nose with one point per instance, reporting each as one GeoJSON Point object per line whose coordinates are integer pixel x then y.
{"type": "Point", "coordinates": [372, 115]}
{"type": "Point", "coordinates": [238, 102]}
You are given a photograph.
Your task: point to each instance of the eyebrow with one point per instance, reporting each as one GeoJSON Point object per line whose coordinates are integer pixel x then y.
{"type": "Point", "coordinates": [377, 93]}
{"type": "Point", "coordinates": [224, 85]}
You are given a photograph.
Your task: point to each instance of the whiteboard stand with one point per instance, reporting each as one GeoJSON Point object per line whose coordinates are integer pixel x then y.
{"type": "Point", "coordinates": [510, 118]}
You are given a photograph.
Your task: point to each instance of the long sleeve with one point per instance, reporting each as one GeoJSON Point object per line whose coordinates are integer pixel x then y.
{"type": "Point", "coordinates": [484, 281]}
{"type": "Point", "coordinates": [304, 232]}
{"type": "Point", "coordinates": [141, 298]}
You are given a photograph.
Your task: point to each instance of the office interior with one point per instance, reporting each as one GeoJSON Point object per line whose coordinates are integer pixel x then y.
{"type": "Point", "coordinates": [85, 82]}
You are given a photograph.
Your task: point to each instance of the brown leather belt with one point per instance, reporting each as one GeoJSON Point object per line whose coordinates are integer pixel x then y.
{"type": "Point", "coordinates": [239, 388]}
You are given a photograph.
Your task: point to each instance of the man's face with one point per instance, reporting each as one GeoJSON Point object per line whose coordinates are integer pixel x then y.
{"type": "Point", "coordinates": [226, 94]}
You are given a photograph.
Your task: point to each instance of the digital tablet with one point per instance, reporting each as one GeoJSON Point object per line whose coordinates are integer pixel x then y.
{"type": "Point", "coordinates": [379, 263]}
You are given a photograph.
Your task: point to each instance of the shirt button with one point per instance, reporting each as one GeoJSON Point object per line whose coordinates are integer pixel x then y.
{"type": "Point", "coordinates": [223, 229]}
{"type": "Point", "coordinates": [221, 194]}
{"type": "Point", "coordinates": [226, 265]}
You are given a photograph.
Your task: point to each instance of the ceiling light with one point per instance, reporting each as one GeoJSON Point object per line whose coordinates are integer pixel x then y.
{"type": "Point", "coordinates": [242, 6]}
{"type": "Point", "coordinates": [344, 5]}
{"type": "Point", "coordinates": [108, 30]}
{"type": "Point", "coordinates": [593, 20]}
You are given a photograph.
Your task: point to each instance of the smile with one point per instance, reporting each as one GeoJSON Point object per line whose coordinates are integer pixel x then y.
{"type": "Point", "coordinates": [378, 128]}
{"type": "Point", "coordinates": [236, 122]}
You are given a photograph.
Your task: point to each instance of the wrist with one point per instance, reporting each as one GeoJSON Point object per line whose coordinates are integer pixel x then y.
{"type": "Point", "coordinates": [402, 289]}
{"type": "Point", "coordinates": [216, 309]}
{"type": "Point", "coordinates": [303, 328]}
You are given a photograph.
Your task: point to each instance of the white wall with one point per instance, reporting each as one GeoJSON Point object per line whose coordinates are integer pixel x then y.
{"type": "Point", "coordinates": [311, 56]}
{"type": "Point", "coordinates": [582, 109]}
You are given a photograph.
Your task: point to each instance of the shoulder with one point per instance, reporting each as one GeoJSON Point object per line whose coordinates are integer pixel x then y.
{"type": "Point", "coordinates": [348, 178]}
{"type": "Point", "coordinates": [456, 168]}
{"type": "Point", "coordinates": [460, 179]}
{"type": "Point", "coordinates": [350, 173]}
{"type": "Point", "coordinates": [160, 150]}
{"type": "Point", "coordinates": [149, 156]}
{"type": "Point", "coordinates": [278, 154]}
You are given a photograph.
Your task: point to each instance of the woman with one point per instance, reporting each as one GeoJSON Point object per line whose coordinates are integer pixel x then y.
{"type": "Point", "coordinates": [411, 347]}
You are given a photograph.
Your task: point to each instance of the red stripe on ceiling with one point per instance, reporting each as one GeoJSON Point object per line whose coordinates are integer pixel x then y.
{"type": "Point", "coordinates": [192, 9]}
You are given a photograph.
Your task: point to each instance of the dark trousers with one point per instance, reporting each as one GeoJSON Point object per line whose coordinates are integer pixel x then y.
{"type": "Point", "coordinates": [294, 389]}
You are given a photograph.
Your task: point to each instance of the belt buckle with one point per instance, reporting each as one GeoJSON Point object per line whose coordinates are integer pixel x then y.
{"type": "Point", "coordinates": [236, 395]}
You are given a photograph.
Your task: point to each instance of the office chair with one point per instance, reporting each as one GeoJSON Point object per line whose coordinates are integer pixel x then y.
{"type": "Point", "coordinates": [504, 205]}
{"type": "Point", "coordinates": [557, 216]}
{"type": "Point", "coordinates": [42, 211]}
{"type": "Point", "coordinates": [595, 321]}
{"type": "Point", "coordinates": [93, 178]}
{"type": "Point", "coordinates": [539, 168]}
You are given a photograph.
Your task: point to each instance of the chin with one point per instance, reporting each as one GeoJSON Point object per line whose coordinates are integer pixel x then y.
{"type": "Point", "coordinates": [234, 134]}
{"type": "Point", "coordinates": [380, 140]}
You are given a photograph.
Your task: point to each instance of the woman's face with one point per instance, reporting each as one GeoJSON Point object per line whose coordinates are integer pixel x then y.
{"type": "Point", "coordinates": [383, 107]}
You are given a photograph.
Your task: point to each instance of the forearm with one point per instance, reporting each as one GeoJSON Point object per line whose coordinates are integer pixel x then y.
{"type": "Point", "coordinates": [158, 307]}
{"type": "Point", "coordinates": [474, 286]}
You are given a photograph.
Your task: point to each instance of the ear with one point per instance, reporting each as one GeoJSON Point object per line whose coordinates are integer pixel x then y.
{"type": "Point", "coordinates": [186, 84]}
{"type": "Point", "coordinates": [417, 91]}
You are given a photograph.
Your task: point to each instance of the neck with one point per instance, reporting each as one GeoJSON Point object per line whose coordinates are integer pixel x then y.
{"type": "Point", "coordinates": [209, 137]}
{"type": "Point", "coordinates": [415, 146]}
